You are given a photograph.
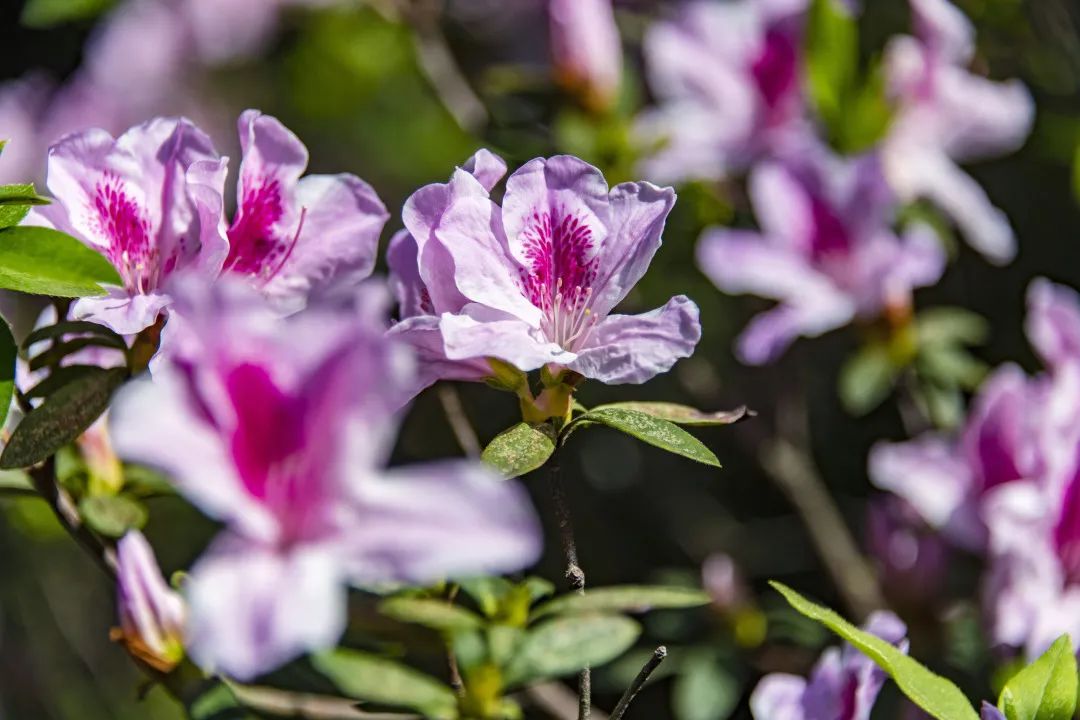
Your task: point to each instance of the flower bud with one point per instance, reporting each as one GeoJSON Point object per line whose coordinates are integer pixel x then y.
{"type": "Point", "coordinates": [586, 51]}
{"type": "Point", "coordinates": [151, 613]}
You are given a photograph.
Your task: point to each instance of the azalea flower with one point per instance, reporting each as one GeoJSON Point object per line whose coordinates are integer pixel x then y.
{"type": "Point", "coordinates": [151, 613]}
{"type": "Point", "coordinates": [843, 684]}
{"type": "Point", "coordinates": [586, 49]}
{"type": "Point", "coordinates": [947, 115]}
{"type": "Point", "coordinates": [291, 235]}
{"type": "Point", "coordinates": [727, 80]}
{"type": "Point", "coordinates": [533, 282]}
{"type": "Point", "coordinates": [825, 251]}
{"type": "Point", "coordinates": [144, 200]}
{"type": "Point", "coordinates": [1019, 428]}
{"type": "Point", "coordinates": [280, 429]}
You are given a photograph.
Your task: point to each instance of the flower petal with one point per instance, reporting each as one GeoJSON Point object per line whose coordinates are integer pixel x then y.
{"type": "Point", "coordinates": [125, 313]}
{"type": "Point", "coordinates": [636, 348]}
{"type": "Point", "coordinates": [437, 520]}
{"type": "Point", "coordinates": [1053, 322]}
{"type": "Point", "coordinates": [476, 334]}
{"type": "Point", "coordinates": [769, 333]}
{"type": "Point", "coordinates": [778, 696]}
{"type": "Point", "coordinates": [254, 608]}
{"type": "Point", "coordinates": [423, 334]}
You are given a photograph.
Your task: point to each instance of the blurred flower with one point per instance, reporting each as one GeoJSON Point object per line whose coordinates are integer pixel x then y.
{"type": "Point", "coordinates": [280, 428]}
{"type": "Point", "coordinates": [1019, 428]}
{"type": "Point", "coordinates": [726, 77]}
{"type": "Point", "coordinates": [826, 250]}
{"type": "Point", "coordinates": [146, 201]}
{"type": "Point", "coordinates": [722, 580]}
{"type": "Point", "coordinates": [21, 104]}
{"type": "Point", "coordinates": [912, 559]}
{"type": "Point", "coordinates": [106, 474]}
{"type": "Point", "coordinates": [844, 684]}
{"type": "Point", "coordinates": [534, 281]}
{"type": "Point", "coordinates": [291, 235]}
{"type": "Point", "coordinates": [586, 50]}
{"type": "Point", "coordinates": [151, 613]}
{"type": "Point", "coordinates": [947, 115]}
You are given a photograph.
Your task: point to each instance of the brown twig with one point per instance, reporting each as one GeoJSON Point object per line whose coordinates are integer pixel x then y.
{"type": "Point", "coordinates": [458, 420]}
{"type": "Point", "coordinates": [575, 576]}
{"type": "Point", "coordinates": [307, 706]}
{"type": "Point", "coordinates": [64, 508]}
{"type": "Point", "coordinates": [635, 687]}
{"type": "Point", "coordinates": [558, 701]}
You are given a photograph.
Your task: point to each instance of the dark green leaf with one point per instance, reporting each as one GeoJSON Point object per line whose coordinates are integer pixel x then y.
{"type": "Point", "coordinates": [1045, 689]}
{"type": "Point", "coordinates": [933, 693]}
{"type": "Point", "coordinates": [46, 13]}
{"type": "Point", "coordinates": [683, 414]}
{"type": "Point", "coordinates": [704, 690]}
{"type": "Point", "coordinates": [75, 327]}
{"type": "Point", "coordinates": [15, 203]}
{"type": "Point", "coordinates": [61, 419]}
{"type": "Point", "coordinates": [624, 598]}
{"type": "Point", "coordinates": [112, 515]}
{"type": "Point", "coordinates": [216, 701]}
{"type": "Point", "coordinates": [520, 450]}
{"type": "Point", "coordinates": [435, 614]}
{"type": "Point", "coordinates": [660, 433]}
{"type": "Point", "coordinates": [56, 353]}
{"type": "Point", "coordinates": [59, 377]}
{"type": "Point", "coordinates": [42, 261]}
{"type": "Point", "coordinates": [9, 353]}
{"type": "Point", "coordinates": [374, 679]}
{"type": "Point", "coordinates": [567, 644]}
{"type": "Point", "coordinates": [867, 378]}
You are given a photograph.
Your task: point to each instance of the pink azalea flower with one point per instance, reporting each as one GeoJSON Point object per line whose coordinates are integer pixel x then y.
{"type": "Point", "coordinates": [533, 282]}
{"type": "Point", "coordinates": [826, 250]}
{"type": "Point", "coordinates": [151, 613]}
{"type": "Point", "coordinates": [726, 76]}
{"type": "Point", "coordinates": [843, 684]}
{"type": "Point", "coordinates": [280, 428]}
{"type": "Point", "coordinates": [947, 115]}
{"type": "Point", "coordinates": [292, 235]}
{"type": "Point", "coordinates": [586, 49]}
{"type": "Point", "coordinates": [146, 201]}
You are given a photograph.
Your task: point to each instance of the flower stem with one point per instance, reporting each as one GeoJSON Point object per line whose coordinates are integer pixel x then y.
{"type": "Point", "coordinates": [635, 687]}
{"type": "Point", "coordinates": [575, 576]}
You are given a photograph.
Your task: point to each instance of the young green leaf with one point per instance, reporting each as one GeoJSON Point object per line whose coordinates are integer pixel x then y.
{"type": "Point", "coordinates": [9, 353]}
{"type": "Point", "coordinates": [369, 677]}
{"type": "Point", "coordinates": [831, 57]}
{"type": "Point", "coordinates": [112, 515]}
{"type": "Point", "coordinates": [42, 261]}
{"type": "Point", "coordinates": [660, 433]}
{"type": "Point", "coordinates": [683, 414]}
{"type": "Point", "coordinates": [623, 598]}
{"type": "Point", "coordinates": [565, 645]}
{"type": "Point", "coordinates": [1045, 689]}
{"type": "Point", "coordinates": [520, 449]}
{"type": "Point", "coordinates": [933, 693]}
{"type": "Point", "coordinates": [15, 203]}
{"type": "Point", "coordinates": [866, 378]}
{"type": "Point", "coordinates": [951, 325]}
{"type": "Point", "coordinates": [61, 419]}
{"type": "Point", "coordinates": [704, 690]}
{"type": "Point", "coordinates": [435, 614]}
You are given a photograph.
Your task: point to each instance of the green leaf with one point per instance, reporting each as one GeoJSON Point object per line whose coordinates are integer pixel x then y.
{"type": "Point", "coordinates": [112, 515]}
{"type": "Point", "coordinates": [1045, 689]}
{"type": "Point", "coordinates": [75, 327]}
{"type": "Point", "coordinates": [9, 354]}
{"type": "Point", "coordinates": [624, 598]}
{"type": "Point", "coordinates": [660, 433]}
{"type": "Point", "coordinates": [436, 614]}
{"type": "Point", "coordinates": [56, 353]}
{"type": "Point", "coordinates": [15, 482]}
{"type": "Point", "coordinates": [374, 679]}
{"type": "Point", "coordinates": [952, 365]}
{"type": "Point", "coordinates": [46, 13]}
{"type": "Point", "coordinates": [520, 450]}
{"type": "Point", "coordinates": [61, 418]}
{"type": "Point", "coordinates": [683, 414]}
{"type": "Point", "coordinates": [867, 378]}
{"type": "Point", "coordinates": [15, 203]}
{"type": "Point", "coordinates": [951, 325]}
{"type": "Point", "coordinates": [933, 693]}
{"type": "Point", "coordinates": [565, 645]}
{"type": "Point", "coordinates": [704, 690]}
{"type": "Point", "coordinates": [42, 261]}
{"type": "Point", "coordinates": [831, 57]}
{"type": "Point", "coordinates": [488, 591]}
{"type": "Point", "coordinates": [868, 114]}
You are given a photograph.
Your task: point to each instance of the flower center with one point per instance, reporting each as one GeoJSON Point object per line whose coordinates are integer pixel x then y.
{"type": "Point", "coordinates": [776, 70]}
{"type": "Point", "coordinates": [255, 247]}
{"type": "Point", "coordinates": [559, 274]}
{"type": "Point", "coordinates": [130, 248]}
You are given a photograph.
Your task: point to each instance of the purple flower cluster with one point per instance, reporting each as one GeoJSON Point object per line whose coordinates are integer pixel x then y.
{"type": "Point", "coordinates": [729, 80]}
{"type": "Point", "coordinates": [1008, 484]}
{"type": "Point", "coordinates": [273, 396]}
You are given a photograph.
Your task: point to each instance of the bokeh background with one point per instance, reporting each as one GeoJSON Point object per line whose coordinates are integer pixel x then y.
{"type": "Point", "coordinates": [401, 92]}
